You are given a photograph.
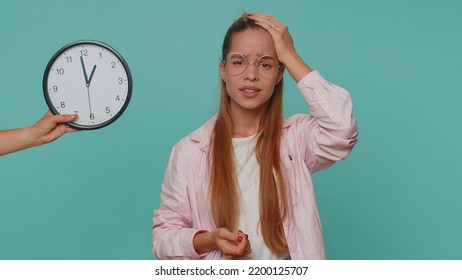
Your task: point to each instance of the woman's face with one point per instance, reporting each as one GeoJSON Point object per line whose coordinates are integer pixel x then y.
{"type": "Point", "coordinates": [250, 90]}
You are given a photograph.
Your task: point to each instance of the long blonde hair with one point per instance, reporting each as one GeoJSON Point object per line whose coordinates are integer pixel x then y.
{"type": "Point", "coordinates": [224, 194]}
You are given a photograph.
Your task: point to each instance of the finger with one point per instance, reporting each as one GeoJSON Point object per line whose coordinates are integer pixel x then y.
{"type": "Point", "coordinates": [272, 28]}
{"type": "Point", "coordinates": [228, 235]}
{"type": "Point", "coordinates": [268, 27]}
{"type": "Point", "coordinates": [238, 251]}
{"type": "Point", "coordinates": [231, 257]}
{"type": "Point", "coordinates": [248, 248]}
{"type": "Point", "coordinates": [71, 129]}
{"type": "Point", "coordinates": [62, 118]}
{"type": "Point", "coordinates": [266, 19]}
{"type": "Point", "coordinates": [262, 16]}
{"type": "Point", "coordinates": [241, 247]}
{"type": "Point", "coordinates": [247, 252]}
{"type": "Point", "coordinates": [242, 236]}
{"type": "Point", "coordinates": [235, 249]}
{"type": "Point", "coordinates": [237, 255]}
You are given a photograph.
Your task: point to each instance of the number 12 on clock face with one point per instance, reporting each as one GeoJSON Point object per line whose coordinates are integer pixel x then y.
{"type": "Point", "coordinates": [90, 79]}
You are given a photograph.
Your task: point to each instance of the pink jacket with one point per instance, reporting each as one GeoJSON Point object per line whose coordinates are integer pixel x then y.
{"type": "Point", "coordinates": [310, 143]}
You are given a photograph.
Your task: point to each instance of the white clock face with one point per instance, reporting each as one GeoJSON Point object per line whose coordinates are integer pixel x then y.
{"type": "Point", "coordinates": [89, 79]}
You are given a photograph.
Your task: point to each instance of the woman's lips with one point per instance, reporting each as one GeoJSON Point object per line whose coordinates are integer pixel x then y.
{"type": "Point", "coordinates": [249, 92]}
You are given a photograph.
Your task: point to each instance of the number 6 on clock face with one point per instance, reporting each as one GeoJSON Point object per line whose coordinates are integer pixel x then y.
{"type": "Point", "coordinates": [90, 79]}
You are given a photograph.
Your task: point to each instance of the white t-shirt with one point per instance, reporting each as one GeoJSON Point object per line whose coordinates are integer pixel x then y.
{"type": "Point", "coordinates": [248, 177]}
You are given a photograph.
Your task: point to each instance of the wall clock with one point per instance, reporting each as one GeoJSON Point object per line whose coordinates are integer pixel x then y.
{"type": "Point", "coordinates": [90, 79]}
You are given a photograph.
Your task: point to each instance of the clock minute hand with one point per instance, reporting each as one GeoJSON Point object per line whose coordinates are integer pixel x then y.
{"type": "Point", "coordinates": [89, 99]}
{"type": "Point", "coordinates": [84, 72]}
{"type": "Point", "coordinates": [91, 75]}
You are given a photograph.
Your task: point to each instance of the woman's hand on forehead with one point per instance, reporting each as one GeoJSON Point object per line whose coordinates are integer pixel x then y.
{"type": "Point", "coordinates": [279, 32]}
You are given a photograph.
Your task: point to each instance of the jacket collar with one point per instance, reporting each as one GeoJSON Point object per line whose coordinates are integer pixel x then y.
{"type": "Point", "coordinates": [287, 122]}
{"type": "Point", "coordinates": [203, 135]}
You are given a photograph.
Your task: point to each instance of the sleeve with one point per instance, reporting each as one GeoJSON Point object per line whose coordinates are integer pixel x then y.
{"type": "Point", "coordinates": [330, 133]}
{"type": "Point", "coordinates": [172, 234]}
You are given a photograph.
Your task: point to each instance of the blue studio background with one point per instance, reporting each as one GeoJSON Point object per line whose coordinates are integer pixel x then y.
{"type": "Point", "coordinates": [90, 195]}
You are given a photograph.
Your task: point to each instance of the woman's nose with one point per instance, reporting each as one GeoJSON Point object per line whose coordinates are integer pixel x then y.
{"type": "Point", "coordinates": [251, 72]}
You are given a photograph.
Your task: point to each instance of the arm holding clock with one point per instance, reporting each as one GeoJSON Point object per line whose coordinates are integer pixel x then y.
{"type": "Point", "coordinates": [49, 128]}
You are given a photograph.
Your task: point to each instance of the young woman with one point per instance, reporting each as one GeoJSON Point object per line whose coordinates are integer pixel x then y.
{"type": "Point", "coordinates": [240, 186]}
{"type": "Point", "coordinates": [46, 130]}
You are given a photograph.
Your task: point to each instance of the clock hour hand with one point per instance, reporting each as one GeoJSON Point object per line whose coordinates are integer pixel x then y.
{"type": "Point", "coordinates": [91, 75]}
{"type": "Point", "coordinates": [84, 72]}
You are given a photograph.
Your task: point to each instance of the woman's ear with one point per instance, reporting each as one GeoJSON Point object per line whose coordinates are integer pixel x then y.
{"type": "Point", "coordinates": [222, 71]}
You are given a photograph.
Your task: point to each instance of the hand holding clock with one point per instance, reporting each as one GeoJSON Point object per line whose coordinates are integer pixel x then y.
{"type": "Point", "coordinates": [60, 91]}
{"type": "Point", "coordinates": [49, 128]}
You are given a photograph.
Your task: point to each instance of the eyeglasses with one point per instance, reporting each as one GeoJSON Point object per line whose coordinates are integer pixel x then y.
{"type": "Point", "coordinates": [236, 63]}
